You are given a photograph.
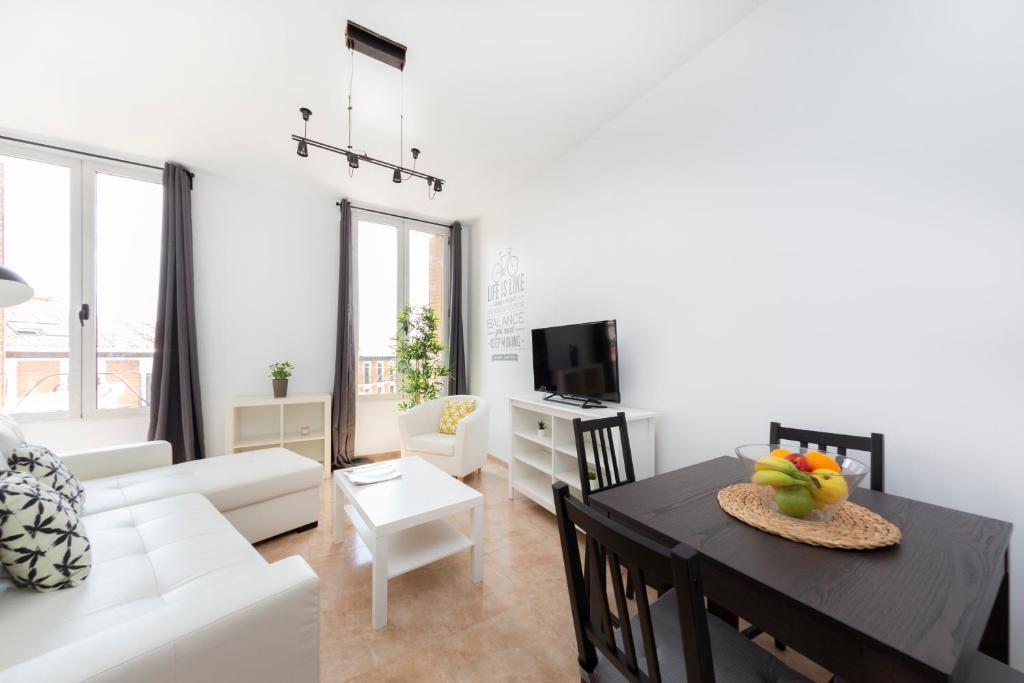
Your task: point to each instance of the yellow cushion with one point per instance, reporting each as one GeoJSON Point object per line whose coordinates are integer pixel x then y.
{"type": "Point", "coordinates": [454, 410]}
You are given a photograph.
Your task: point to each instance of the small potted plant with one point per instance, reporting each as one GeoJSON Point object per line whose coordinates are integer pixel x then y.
{"type": "Point", "coordinates": [280, 372]}
{"type": "Point", "coordinates": [542, 429]}
{"type": "Point", "coordinates": [591, 475]}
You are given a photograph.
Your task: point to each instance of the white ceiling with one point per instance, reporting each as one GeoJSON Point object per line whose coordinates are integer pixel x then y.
{"type": "Point", "coordinates": [493, 90]}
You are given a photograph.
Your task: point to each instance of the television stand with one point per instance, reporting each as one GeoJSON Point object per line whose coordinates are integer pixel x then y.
{"type": "Point", "coordinates": [578, 401]}
{"type": "Point", "coordinates": [538, 457]}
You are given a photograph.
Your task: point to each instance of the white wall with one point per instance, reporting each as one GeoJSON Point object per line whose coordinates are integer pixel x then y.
{"type": "Point", "coordinates": [376, 426]}
{"type": "Point", "coordinates": [817, 220]}
{"type": "Point", "coordinates": [266, 279]}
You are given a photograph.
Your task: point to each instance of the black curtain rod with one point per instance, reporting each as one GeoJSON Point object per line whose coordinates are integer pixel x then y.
{"type": "Point", "coordinates": [88, 154]}
{"type": "Point", "coordinates": [395, 215]}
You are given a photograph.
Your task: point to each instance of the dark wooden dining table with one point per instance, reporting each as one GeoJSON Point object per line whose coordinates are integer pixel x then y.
{"type": "Point", "coordinates": [917, 611]}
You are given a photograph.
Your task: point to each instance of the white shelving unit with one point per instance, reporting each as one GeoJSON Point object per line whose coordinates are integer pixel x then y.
{"type": "Point", "coordinates": [299, 423]}
{"type": "Point", "coordinates": [536, 462]}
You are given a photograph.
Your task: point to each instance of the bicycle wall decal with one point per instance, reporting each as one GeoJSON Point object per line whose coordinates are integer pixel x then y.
{"type": "Point", "coordinates": [506, 308]}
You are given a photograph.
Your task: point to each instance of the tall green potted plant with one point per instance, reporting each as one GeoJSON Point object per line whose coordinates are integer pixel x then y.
{"type": "Point", "coordinates": [418, 367]}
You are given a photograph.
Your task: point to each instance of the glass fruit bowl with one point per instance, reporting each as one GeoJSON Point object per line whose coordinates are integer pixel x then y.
{"type": "Point", "coordinates": [801, 483]}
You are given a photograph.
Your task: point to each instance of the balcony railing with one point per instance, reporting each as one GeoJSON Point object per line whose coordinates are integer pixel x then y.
{"type": "Point", "coordinates": [376, 375]}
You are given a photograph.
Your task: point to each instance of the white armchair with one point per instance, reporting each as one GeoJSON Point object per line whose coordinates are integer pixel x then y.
{"type": "Point", "coordinates": [457, 454]}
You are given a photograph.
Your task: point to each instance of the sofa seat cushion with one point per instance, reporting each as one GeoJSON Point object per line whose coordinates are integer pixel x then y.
{"type": "Point", "coordinates": [229, 481]}
{"type": "Point", "coordinates": [432, 442]}
{"type": "Point", "coordinates": [144, 557]}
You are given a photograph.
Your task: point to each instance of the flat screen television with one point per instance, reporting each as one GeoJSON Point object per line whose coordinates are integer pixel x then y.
{"type": "Point", "coordinates": [577, 361]}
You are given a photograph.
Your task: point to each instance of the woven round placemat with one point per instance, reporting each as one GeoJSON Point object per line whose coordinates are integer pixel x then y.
{"type": "Point", "coordinates": [852, 527]}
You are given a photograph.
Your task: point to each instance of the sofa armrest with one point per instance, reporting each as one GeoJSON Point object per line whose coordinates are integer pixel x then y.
{"type": "Point", "coordinates": [261, 625]}
{"type": "Point", "coordinates": [471, 437]}
{"type": "Point", "coordinates": [109, 462]}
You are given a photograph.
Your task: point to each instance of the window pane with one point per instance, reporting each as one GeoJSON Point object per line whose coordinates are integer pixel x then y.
{"type": "Point", "coordinates": [35, 215]}
{"type": "Point", "coordinates": [128, 214]}
{"type": "Point", "coordinates": [426, 274]}
{"type": "Point", "coordinates": [378, 305]}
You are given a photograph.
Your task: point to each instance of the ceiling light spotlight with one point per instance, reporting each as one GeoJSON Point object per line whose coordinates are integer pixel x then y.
{"type": "Point", "coordinates": [437, 184]}
{"type": "Point", "coordinates": [353, 160]}
{"type": "Point", "coordinates": [397, 176]}
{"type": "Point", "coordinates": [303, 150]}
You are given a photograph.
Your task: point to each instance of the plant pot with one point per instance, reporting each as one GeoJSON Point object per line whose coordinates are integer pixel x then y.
{"type": "Point", "coordinates": [280, 388]}
{"type": "Point", "coordinates": [543, 434]}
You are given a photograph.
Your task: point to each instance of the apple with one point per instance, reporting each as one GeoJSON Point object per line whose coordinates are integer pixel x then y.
{"type": "Point", "coordinates": [802, 463]}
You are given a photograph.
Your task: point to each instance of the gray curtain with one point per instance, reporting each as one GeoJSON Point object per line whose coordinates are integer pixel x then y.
{"type": "Point", "coordinates": [175, 408]}
{"type": "Point", "coordinates": [458, 383]}
{"type": "Point", "coordinates": [343, 408]}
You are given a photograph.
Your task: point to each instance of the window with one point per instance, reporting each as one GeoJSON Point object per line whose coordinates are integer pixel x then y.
{"type": "Point", "coordinates": [83, 234]}
{"type": "Point", "coordinates": [399, 262]}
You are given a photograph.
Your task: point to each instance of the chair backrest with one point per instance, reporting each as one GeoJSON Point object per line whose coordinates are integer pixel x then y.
{"type": "Point", "coordinates": [873, 445]}
{"type": "Point", "coordinates": [612, 546]}
{"type": "Point", "coordinates": [610, 472]}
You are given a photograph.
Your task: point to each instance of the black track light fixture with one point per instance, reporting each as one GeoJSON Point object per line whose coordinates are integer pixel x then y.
{"type": "Point", "coordinates": [366, 42]}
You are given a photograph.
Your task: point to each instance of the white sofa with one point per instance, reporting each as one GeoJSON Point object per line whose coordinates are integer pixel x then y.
{"type": "Point", "coordinates": [457, 454]}
{"type": "Point", "coordinates": [263, 493]}
{"type": "Point", "coordinates": [176, 592]}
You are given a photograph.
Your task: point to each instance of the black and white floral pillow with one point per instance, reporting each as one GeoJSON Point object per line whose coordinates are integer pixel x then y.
{"type": "Point", "coordinates": [43, 545]}
{"type": "Point", "coordinates": [48, 468]}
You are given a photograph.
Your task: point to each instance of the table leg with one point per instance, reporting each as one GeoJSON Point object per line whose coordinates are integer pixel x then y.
{"type": "Point", "coordinates": [995, 642]}
{"type": "Point", "coordinates": [380, 582]}
{"type": "Point", "coordinates": [723, 614]}
{"type": "Point", "coordinates": [476, 521]}
{"type": "Point", "coordinates": [339, 511]}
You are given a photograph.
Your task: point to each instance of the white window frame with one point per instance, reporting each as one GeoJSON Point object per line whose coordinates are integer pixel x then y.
{"type": "Point", "coordinates": [403, 227]}
{"type": "Point", "coordinates": [82, 359]}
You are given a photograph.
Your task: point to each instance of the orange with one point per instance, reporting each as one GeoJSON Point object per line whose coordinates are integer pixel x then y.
{"type": "Point", "coordinates": [781, 453]}
{"type": "Point", "coordinates": [820, 461]}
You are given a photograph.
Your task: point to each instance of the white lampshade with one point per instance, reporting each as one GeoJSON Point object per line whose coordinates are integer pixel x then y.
{"type": "Point", "coordinates": [13, 290]}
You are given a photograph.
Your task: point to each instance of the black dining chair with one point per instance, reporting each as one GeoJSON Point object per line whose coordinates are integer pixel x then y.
{"type": "Point", "coordinates": [609, 472]}
{"type": "Point", "coordinates": [671, 639]}
{"type": "Point", "coordinates": [873, 445]}
{"type": "Point", "coordinates": [612, 467]}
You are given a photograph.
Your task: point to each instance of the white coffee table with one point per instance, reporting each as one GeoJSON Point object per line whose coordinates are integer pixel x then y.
{"type": "Point", "coordinates": [402, 522]}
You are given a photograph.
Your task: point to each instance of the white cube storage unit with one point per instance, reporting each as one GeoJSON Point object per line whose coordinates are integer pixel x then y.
{"type": "Point", "coordinates": [299, 423]}
{"type": "Point", "coordinates": [537, 461]}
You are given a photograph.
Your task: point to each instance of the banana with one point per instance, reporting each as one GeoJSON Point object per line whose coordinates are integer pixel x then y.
{"type": "Point", "coordinates": [770, 463]}
{"type": "Point", "coordinates": [775, 478]}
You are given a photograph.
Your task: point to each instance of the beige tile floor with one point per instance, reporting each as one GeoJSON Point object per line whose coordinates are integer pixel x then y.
{"type": "Point", "coordinates": [515, 626]}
